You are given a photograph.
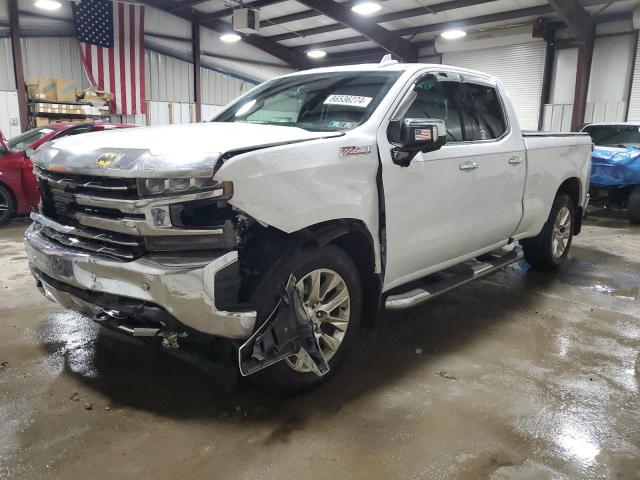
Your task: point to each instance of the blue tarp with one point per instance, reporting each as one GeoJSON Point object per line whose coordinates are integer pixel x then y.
{"type": "Point", "coordinates": [615, 167]}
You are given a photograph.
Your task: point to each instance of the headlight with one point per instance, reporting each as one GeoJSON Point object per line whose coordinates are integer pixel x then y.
{"type": "Point", "coordinates": [171, 186]}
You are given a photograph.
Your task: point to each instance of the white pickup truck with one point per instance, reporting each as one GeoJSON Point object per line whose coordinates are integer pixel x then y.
{"type": "Point", "coordinates": [270, 233]}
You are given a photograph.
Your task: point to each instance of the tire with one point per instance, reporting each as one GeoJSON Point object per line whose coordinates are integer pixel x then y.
{"type": "Point", "coordinates": [546, 251]}
{"type": "Point", "coordinates": [633, 205]}
{"type": "Point", "coordinates": [282, 376]}
{"type": "Point", "coordinates": [7, 205]}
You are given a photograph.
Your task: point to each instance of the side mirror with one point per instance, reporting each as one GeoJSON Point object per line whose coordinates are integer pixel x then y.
{"type": "Point", "coordinates": [412, 135]}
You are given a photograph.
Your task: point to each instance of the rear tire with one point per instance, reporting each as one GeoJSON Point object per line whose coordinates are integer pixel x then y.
{"type": "Point", "coordinates": [633, 205]}
{"type": "Point", "coordinates": [327, 260]}
{"type": "Point", "coordinates": [7, 205]}
{"type": "Point", "coordinates": [550, 248]}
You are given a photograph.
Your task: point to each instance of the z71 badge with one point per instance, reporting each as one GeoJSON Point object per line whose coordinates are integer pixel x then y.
{"type": "Point", "coordinates": [108, 158]}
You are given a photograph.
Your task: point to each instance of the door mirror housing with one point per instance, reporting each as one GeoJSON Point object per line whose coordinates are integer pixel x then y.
{"type": "Point", "coordinates": [412, 135]}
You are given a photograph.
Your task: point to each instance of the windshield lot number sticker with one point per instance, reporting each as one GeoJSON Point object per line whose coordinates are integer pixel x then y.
{"type": "Point", "coordinates": [348, 100]}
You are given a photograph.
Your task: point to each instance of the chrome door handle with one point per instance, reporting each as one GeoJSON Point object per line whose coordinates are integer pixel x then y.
{"type": "Point", "coordinates": [468, 165]}
{"type": "Point", "coordinates": [515, 160]}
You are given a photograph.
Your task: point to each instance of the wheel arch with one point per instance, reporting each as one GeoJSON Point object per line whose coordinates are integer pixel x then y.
{"type": "Point", "coordinates": [353, 237]}
{"type": "Point", "coordinates": [572, 186]}
{"type": "Point", "coordinates": [13, 195]}
{"type": "Point", "coordinates": [272, 246]}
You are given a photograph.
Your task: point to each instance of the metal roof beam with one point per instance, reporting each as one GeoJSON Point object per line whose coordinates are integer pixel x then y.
{"type": "Point", "coordinates": [386, 17]}
{"type": "Point", "coordinates": [390, 41]}
{"type": "Point", "coordinates": [205, 17]}
{"type": "Point", "coordinates": [577, 19]}
{"type": "Point", "coordinates": [437, 27]}
{"type": "Point", "coordinates": [290, 56]}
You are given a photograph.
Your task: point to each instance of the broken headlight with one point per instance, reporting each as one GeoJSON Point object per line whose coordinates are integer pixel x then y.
{"type": "Point", "coordinates": [149, 187]}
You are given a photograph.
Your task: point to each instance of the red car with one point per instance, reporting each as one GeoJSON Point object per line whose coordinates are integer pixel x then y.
{"type": "Point", "coordinates": [18, 185]}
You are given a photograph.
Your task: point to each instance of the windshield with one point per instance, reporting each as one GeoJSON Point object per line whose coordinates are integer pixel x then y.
{"type": "Point", "coordinates": [317, 102]}
{"type": "Point", "coordinates": [614, 135]}
{"type": "Point", "coordinates": [24, 141]}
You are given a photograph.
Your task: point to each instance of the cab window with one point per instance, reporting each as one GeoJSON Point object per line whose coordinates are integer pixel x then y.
{"type": "Point", "coordinates": [482, 114]}
{"type": "Point", "coordinates": [438, 99]}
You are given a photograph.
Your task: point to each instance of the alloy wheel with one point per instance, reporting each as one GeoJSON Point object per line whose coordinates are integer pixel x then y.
{"type": "Point", "coordinates": [327, 301]}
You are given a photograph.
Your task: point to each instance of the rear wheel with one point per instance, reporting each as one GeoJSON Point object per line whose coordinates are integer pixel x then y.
{"type": "Point", "coordinates": [6, 205]}
{"type": "Point", "coordinates": [332, 295]}
{"type": "Point", "coordinates": [550, 248]}
{"type": "Point", "coordinates": [633, 205]}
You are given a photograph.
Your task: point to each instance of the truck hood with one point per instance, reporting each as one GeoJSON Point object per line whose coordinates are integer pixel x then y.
{"type": "Point", "coordinates": [190, 150]}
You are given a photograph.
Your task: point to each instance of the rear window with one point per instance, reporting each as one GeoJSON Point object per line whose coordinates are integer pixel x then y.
{"type": "Point", "coordinates": [28, 138]}
{"type": "Point", "coordinates": [614, 135]}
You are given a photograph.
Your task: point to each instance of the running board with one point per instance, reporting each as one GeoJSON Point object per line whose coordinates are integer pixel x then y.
{"type": "Point", "coordinates": [464, 273]}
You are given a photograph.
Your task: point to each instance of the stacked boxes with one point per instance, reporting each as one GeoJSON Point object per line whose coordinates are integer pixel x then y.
{"type": "Point", "coordinates": [55, 100]}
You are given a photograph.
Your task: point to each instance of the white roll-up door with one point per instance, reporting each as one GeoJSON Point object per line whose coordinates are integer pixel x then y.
{"type": "Point", "coordinates": [520, 67]}
{"type": "Point", "coordinates": [634, 100]}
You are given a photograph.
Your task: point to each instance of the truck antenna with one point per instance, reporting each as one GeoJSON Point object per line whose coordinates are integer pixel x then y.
{"type": "Point", "coordinates": [387, 60]}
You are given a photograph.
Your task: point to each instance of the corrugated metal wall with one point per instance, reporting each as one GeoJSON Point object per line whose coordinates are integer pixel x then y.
{"type": "Point", "coordinates": [52, 57]}
{"type": "Point", "coordinates": [168, 79]}
{"type": "Point", "coordinates": [220, 89]}
{"type": "Point", "coordinates": [634, 100]}
{"type": "Point", "coordinates": [7, 80]}
{"type": "Point", "coordinates": [511, 64]}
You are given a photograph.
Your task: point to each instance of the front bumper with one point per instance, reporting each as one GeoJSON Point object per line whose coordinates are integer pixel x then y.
{"type": "Point", "coordinates": [186, 290]}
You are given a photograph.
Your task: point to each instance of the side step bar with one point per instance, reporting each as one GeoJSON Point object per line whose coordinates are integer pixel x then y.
{"type": "Point", "coordinates": [465, 273]}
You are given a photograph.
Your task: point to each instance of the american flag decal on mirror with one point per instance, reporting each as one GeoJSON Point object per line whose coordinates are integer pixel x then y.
{"type": "Point", "coordinates": [422, 134]}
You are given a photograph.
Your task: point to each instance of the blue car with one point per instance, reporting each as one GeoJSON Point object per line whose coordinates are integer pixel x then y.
{"type": "Point", "coordinates": [615, 166]}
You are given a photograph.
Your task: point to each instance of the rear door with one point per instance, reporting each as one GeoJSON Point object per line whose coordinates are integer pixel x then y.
{"type": "Point", "coordinates": [458, 200]}
{"type": "Point", "coordinates": [500, 155]}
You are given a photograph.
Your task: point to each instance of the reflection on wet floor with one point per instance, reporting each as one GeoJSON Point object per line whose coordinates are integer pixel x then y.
{"type": "Point", "coordinates": [541, 382]}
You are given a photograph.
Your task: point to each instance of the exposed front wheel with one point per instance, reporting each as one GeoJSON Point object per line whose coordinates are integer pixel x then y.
{"type": "Point", "coordinates": [633, 205]}
{"type": "Point", "coordinates": [550, 248]}
{"type": "Point", "coordinates": [6, 205]}
{"type": "Point", "coordinates": [332, 296]}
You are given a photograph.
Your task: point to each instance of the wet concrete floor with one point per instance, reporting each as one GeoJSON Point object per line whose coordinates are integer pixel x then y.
{"type": "Point", "coordinates": [522, 375]}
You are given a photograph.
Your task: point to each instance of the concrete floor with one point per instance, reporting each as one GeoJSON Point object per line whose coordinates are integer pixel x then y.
{"type": "Point", "coordinates": [523, 375]}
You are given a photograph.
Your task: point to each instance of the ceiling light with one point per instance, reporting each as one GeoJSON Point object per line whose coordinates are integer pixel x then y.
{"type": "Point", "coordinates": [316, 54]}
{"type": "Point", "coordinates": [230, 37]}
{"type": "Point", "coordinates": [453, 34]}
{"type": "Point", "coordinates": [366, 8]}
{"type": "Point", "coordinates": [48, 4]}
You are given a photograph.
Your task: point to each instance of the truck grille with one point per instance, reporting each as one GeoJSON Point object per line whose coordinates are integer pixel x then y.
{"type": "Point", "coordinates": [59, 204]}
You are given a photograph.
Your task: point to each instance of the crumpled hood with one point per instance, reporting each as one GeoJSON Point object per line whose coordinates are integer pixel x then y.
{"type": "Point", "coordinates": [170, 151]}
{"type": "Point", "coordinates": [615, 166]}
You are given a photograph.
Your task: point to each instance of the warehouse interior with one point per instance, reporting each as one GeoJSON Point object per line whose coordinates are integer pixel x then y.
{"type": "Point", "coordinates": [522, 374]}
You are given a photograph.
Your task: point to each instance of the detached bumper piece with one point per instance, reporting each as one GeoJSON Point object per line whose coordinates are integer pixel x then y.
{"type": "Point", "coordinates": [288, 331]}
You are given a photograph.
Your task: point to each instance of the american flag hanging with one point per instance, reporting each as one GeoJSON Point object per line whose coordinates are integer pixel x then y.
{"type": "Point", "coordinates": [111, 37]}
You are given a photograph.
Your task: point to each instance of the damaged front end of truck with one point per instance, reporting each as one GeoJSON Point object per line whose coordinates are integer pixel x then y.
{"type": "Point", "coordinates": [155, 250]}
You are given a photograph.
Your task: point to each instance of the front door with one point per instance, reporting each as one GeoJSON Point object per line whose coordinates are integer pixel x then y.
{"type": "Point", "coordinates": [461, 199]}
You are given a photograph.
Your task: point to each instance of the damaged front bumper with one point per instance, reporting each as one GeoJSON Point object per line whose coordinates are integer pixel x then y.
{"type": "Point", "coordinates": [185, 289]}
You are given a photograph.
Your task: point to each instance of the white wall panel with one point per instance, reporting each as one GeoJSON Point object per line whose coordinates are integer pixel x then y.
{"type": "Point", "coordinates": [611, 69]}
{"type": "Point", "coordinates": [634, 100]}
{"type": "Point", "coordinates": [167, 78]}
{"type": "Point", "coordinates": [520, 67]}
{"type": "Point", "coordinates": [209, 110]}
{"type": "Point", "coordinates": [9, 114]}
{"type": "Point", "coordinates": [563, 76]}
{"type": "Point", "coordinates": [220, 89]}
{"type": "Point", "coordinates": [53, 57]}
{"type": "Point", "coordinates": [7, 78]}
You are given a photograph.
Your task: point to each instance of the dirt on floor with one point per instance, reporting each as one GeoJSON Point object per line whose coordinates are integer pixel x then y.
{"type": "Point", "coordinates": [523, 375]}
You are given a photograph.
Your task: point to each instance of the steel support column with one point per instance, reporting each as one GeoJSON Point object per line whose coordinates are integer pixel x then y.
{"type": "Point", "coordinates": [18, 68]}
{"type": "Point", "coordinates": [583, 71]}
{"type": "Point", "coordinates": [197, 87]}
